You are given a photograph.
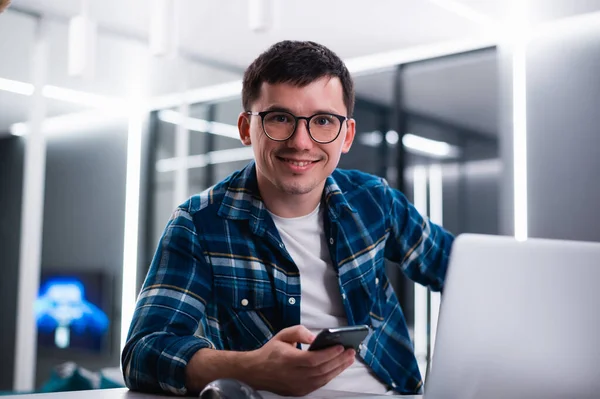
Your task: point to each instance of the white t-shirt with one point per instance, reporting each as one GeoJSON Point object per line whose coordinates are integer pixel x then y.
{"type": "Point", "coordinates": [321, 302]}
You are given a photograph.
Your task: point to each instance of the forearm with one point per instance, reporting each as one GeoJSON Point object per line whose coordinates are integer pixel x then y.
{"type": "Point", "coordinates": [421, 248]}
{"type": "Point", "coordinates": [208, 365]}
{"type": "Point", "coordinates": [170, 311]}
{"type": "Point", "coordinates": [157, 362]}
{"type": "Point", "coordinates": [427, 263]}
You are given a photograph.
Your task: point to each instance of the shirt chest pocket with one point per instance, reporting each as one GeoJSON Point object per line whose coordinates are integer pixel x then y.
{"type": "Point", "coordinates": [247, 308]}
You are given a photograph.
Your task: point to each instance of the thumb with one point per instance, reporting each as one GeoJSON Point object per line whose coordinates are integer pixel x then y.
{"type": "Point", "coordinates": [296, 334]}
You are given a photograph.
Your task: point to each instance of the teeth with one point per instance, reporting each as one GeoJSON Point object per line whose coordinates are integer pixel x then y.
{"type": "Point", "coordinates": [296, 163]}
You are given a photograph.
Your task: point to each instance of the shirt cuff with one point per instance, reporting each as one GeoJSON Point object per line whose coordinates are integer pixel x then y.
{"type": "Point", "coordinates": [174, 360]}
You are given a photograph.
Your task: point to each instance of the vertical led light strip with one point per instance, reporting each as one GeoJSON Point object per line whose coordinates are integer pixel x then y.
{"type": "Point", "coordinates": [436, 209]}
{"type": "Point", "coordinates": [436, 215]}
{"type": "Point", "coordinates": [182, 141]}
{"type": "Point", "coordinates": [420, 333]}
{"type": "Point", "coordinates": [182, 151]}
{"type": "Point", "coordinates": [132, 209]}
{"type": "Point", "coordinates": [520, 140]}
{"type": "Point", "coordinates": [32, 217]}
{"type": "Point", "coordinates": [519, 76]}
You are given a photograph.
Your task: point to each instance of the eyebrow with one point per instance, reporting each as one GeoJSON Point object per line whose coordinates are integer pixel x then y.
{"type": "Point", "coordinates": [284, 109]}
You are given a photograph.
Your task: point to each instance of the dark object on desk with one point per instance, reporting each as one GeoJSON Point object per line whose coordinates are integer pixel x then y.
{"type": "Point", "coordinates": [228, 388]}
{"type": "Point", "coordinates": [350, 337]}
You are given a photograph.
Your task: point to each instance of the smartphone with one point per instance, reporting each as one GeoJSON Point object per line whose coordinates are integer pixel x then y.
{"type": "Point", "coordinates": [349, 337]}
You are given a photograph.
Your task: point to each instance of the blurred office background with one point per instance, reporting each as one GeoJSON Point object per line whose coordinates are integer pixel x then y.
{"type": "Point", "coordinates": [113, 112]}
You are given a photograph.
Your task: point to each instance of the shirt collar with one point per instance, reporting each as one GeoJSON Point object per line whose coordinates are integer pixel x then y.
{"type": "Point", "coordinates": [242, 199]}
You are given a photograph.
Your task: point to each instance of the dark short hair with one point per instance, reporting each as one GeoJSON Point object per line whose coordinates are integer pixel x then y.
{"type": "Point", "coordinates": [299, 63]}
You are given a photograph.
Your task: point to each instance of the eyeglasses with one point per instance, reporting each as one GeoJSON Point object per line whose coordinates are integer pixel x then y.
{"type": "Point", "coordinates": [323, 128]}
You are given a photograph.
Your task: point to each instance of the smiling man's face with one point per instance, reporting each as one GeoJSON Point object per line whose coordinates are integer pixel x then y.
{"type": "Point", "coordinates": [298, 165]}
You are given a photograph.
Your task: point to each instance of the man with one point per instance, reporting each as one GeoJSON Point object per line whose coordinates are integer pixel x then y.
{"type": "Point", "coordinates": [247, 272]}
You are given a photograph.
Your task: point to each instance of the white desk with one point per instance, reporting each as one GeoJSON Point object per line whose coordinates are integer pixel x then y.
{"type": "Point", "coordinates": [124, 393]}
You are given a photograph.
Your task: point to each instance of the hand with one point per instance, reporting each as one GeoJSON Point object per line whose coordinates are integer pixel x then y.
{"type": "Point", "coordinates": [283, 369]}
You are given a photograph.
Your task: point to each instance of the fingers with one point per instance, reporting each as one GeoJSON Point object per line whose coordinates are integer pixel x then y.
{"type": "Point", "coordinates": [296, 334]}
{"type": "Point", "coordinates": [347, 360]}
{"type": "Point", "coordinates": [343, 359]}
{"type": "Point", "coordinates": [311, 370]}
{"type": "Point", "coordinates": [309, 359]}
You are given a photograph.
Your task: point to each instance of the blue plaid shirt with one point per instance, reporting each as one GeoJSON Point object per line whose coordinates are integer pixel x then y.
{"type": "Point", "coordinates": [222, 247]}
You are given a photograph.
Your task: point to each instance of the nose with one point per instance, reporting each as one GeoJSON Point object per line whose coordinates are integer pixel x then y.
{"type": "Point", "coordinates": [300, 140]}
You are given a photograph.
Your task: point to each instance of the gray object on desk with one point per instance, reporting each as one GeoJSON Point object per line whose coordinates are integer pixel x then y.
{"type": "Point", "coordinates": [229, 388]}
{"type": "Point", "coordinates": [518, 320]}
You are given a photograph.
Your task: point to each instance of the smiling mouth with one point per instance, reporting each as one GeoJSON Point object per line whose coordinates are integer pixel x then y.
{"type": "Point", "coordinates": [296, 162]}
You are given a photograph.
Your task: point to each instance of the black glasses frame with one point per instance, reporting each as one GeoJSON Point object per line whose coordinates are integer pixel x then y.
{"type": "Point", "coordinates": [263, 114]}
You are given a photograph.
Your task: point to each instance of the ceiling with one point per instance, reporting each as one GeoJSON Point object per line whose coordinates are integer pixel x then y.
{"type": "Point", "coordinates": [539, 11]}
{"type": "Point", "coordinates": [219, 29]}
{"type": "Point", "coordinates": [216, 44]}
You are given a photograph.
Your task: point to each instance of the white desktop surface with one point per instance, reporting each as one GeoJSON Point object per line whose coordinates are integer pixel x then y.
{"type": "Point", "coordinates": [124, 393]}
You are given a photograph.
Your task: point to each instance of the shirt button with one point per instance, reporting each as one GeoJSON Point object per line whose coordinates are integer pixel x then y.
{"type": "Point", "coordinates": [292, 301]}
{"type": "Point", "coordinates": [344, 295]}
{"type": "Point", "coordinates": [281, 245]}
{"type": "Point", "coordinates": [376, 280]}
{"type": "Point", "coordinates": [244, 302]}
{"type": "Point", "coordinates": [394, 385]}
{"type": "Point", "coordinates": [331, 241]}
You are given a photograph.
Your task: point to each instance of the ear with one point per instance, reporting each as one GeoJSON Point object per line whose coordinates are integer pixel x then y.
{"type": "Point", "coordinates": [349, 138]}
{"type": "Point", "coordinates": [244, 128]}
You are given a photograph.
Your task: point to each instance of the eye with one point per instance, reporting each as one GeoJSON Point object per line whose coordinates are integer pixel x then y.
{"type": "Point", "coordinates": [323, 120]}
{"type": "Point", "coordinates": [278, 117]}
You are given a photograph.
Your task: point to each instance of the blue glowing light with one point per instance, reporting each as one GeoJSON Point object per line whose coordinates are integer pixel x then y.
{"type": "Point", "coordinates": [62, 307]}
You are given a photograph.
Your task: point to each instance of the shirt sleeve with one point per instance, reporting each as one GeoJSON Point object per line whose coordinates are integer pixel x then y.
{"type": "Point", "coordinates": [420, 247]}
{"type": "Point", "coordinates": [166, 330]}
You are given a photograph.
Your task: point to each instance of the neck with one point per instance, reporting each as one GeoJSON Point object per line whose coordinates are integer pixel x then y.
{"type": "Point", "coordinates": [289, 205]}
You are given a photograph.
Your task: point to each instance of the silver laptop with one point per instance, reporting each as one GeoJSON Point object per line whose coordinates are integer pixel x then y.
{"type": "Point", "coordinates": [518, 320]}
